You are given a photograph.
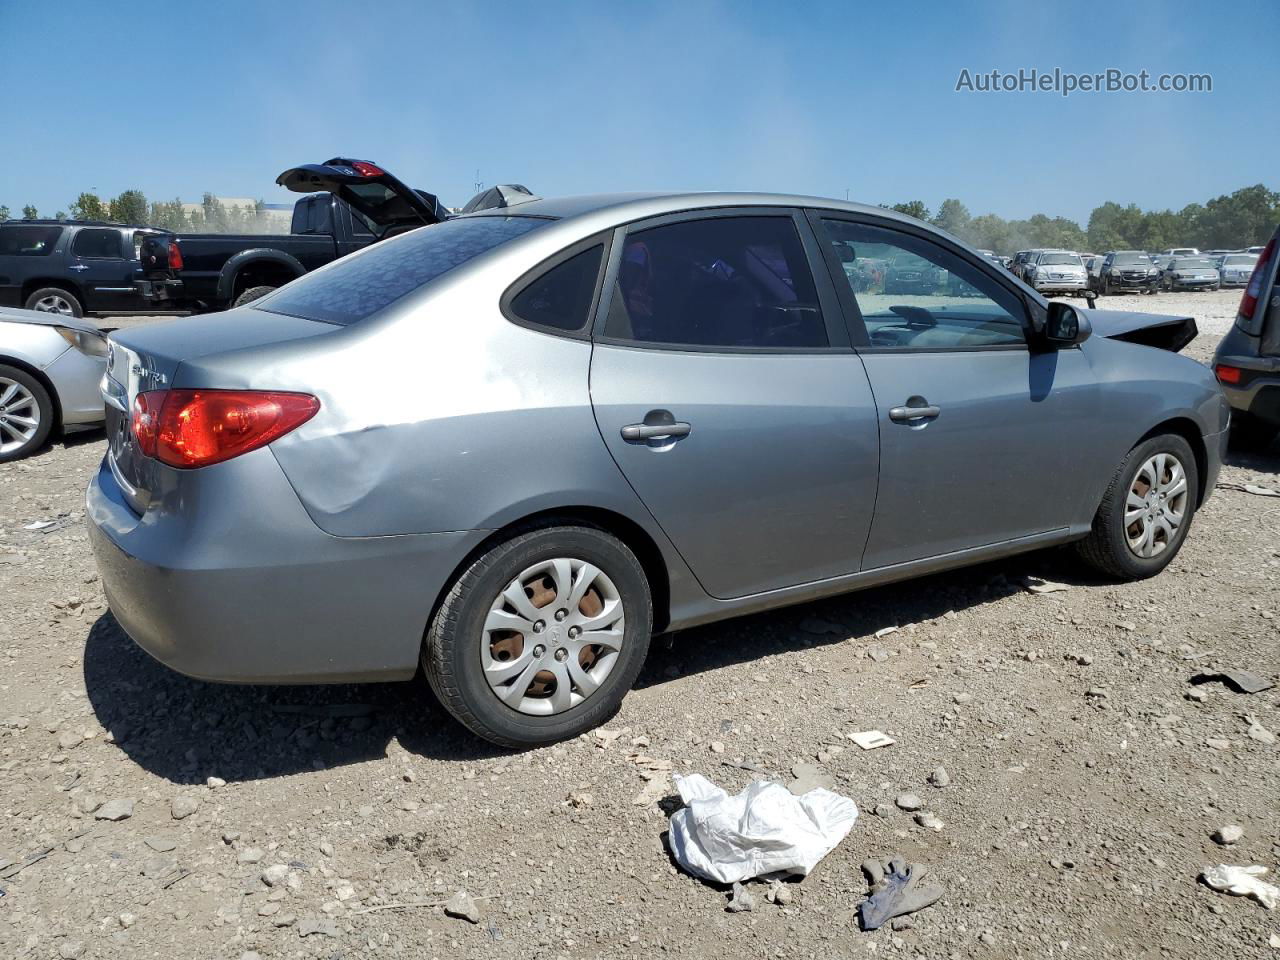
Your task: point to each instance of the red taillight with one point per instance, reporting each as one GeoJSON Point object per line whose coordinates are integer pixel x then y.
{"type": "Point", "coordinates": [196, 428]}
{"type": "Point", "coordinates": [367, 169]}
{"type": "Point", "coordinates": [142, 421]}
{"type": "Point", "coordinates": [1249, 299]}
{"type": "Point", "coordinates": [175, 255]}
{"type": "Point", "coordinates": [1226, 374]}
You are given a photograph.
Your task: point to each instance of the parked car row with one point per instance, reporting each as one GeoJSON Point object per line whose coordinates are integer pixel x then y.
{"type": "Point", "coordinates": [1121, 271]}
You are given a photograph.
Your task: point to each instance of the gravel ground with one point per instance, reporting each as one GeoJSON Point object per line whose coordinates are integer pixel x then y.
{"type": "Point", "coordinates": [1085, 774]}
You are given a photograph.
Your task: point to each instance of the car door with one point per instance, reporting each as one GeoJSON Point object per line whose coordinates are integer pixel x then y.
{"type": "Point", "coordinates": [725, 388]}
{"type": "Point", "coordinates": [98, 262]}
{"type": "Point", "coordinates": [981, 437]}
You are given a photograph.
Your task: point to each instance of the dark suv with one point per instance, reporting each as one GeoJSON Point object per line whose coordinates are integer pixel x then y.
{"type": "Point", "coordinates": [72, 267]}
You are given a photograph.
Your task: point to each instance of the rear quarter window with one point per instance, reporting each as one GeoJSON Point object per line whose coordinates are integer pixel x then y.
{"type": "Point", "coordinates": [359, 286]}
{"type": "Point", "coordinates": [19, 241]}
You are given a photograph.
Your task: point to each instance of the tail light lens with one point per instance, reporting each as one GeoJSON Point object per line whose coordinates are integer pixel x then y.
{"type": "Point", "coordinates": [1226, 374]}
{"type": "Point", "coordinates": [1249, 299]}
{"type": "Point", "coordinates": [196, 428]}
{"type": "Point", "coordinates": [175, 255]}
{"type": "Point", "coordinates": [366, 169]}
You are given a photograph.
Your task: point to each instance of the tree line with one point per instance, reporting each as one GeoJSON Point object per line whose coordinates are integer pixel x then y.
{"type": "Point", "coordinates": [1232, 221]}
{"type": "Point", "coordinates": [132, 206]}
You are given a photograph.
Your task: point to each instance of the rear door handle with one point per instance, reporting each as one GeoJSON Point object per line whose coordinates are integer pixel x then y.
{"type": "Point", "coordinates": [911, 414]}
{"type": "Point", "coordinates": [637, 432]}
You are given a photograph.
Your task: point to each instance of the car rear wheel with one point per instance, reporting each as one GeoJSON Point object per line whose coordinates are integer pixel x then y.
{"type": "Point", "coordinates": [252, 294]}
{"type": "Point", "coordinates": [55, 300]}
{"type": "Point", "coordinates": [1250, 433]}
{"type": "Point", "coordinates": [26, 414]}
{"type": "Point", "coordinates": [1146, 512]}
{"type": "Point", "coordinates": [541, 637]}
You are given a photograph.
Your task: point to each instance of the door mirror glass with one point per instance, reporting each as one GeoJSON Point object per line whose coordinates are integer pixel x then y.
{"type": "Point", "coordinates": [1065, 325]}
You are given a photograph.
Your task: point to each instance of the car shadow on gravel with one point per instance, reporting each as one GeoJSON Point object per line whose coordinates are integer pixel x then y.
{"type": "Point", "coordinates": [854, 616]}
{"type": "Point", "coordinates": [187, 730]}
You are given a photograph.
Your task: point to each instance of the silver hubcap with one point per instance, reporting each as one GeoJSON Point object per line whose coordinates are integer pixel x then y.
{"type": "Point", "coordinates": [19, 415]}
{"type": "Point", "coordinates": [552, 636]}
{"type": "Point", "coordinates": [55, 304]}
{"type": "Point", "coordinates": [1156, 505]}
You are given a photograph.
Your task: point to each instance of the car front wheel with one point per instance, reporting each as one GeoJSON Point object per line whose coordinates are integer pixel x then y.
{"type": "Point", "coordinates": [541, 637]}
{"type": "Point", "coordinates": [1146, 512]}
{"type": "Point", "coordinates": [26, 414]}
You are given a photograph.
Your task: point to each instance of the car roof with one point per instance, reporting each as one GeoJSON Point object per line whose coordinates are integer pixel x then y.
{"type": "Point", "coordinates": [623, 207]}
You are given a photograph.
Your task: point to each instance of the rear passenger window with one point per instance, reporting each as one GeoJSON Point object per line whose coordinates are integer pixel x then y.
{"type": "Point", "coordinates": [729, 282]}
{"type": "Point", "coordinates": [560, 299]}
{"type": "Point", "coordinates": [20, 241]}
{"type": "Point", "coordinates": [98, 245]}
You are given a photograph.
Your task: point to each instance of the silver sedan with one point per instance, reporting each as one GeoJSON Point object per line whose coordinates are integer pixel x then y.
{"type": "Point", "coordinates": [51, 368]}
{"type": "Point", "coordinates": [513, 445]}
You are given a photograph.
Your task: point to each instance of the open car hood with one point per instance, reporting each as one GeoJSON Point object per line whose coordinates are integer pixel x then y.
{"type": "Point", "coordinates": [1149, 329]}
{"type": "Point", "coordinates": [368, 188]}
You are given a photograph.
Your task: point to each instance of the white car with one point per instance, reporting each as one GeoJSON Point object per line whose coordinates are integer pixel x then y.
{"type": "Point", "coordinates": [1236, 269]}
{"type": "Point", "coordinates": [51, 367]}
{"type": "Point", "coordinates": [1057, 271]}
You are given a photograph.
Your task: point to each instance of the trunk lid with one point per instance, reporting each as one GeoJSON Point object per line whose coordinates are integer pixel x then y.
{"type": "Point", "coordinates": [149, 358]}
{"type": "Point", "coordinates": [368, 188]}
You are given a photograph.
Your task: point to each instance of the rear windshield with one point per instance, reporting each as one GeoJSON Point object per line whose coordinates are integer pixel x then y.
{"type": "Point", "coordinates": [33, 241]}
{"type": "Point", "coordinates": [360, 286]}
{"type": "Point", "coordinates": [1057, 259]}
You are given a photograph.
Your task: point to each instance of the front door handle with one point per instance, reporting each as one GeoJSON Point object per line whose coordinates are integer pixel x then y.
{"type": "Point", "coordinates": [639, 432]}
{"type": "Point", "coordinates": [78, 266]}
{"type": "Point", "coordinates": [917, 408]}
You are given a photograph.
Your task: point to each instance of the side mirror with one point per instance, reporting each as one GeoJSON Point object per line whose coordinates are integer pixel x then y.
{"type": "Point", "coordinates": [1066, 325]}
{"type": "Point", "coordinates": [846, 253]}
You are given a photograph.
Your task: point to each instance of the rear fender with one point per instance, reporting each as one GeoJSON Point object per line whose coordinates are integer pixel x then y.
{"type": "Point", "coordinates": [245, 258]}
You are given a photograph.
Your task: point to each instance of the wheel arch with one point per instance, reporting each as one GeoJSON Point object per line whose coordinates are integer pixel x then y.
{"type": "Point", "coordinates": [31, 286]}
{"type": "Point", "coordinates": [634, 536]}
{"type": "Point", "coordinates": [39, 375]}
{"type": "Point", "coordinates": [1189, 430]}
{"type": "Point", "coordinates": [262, 264]}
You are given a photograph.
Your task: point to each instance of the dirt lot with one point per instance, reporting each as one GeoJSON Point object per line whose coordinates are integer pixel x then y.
{"type": "Point", "coordinates": [1086, 774]}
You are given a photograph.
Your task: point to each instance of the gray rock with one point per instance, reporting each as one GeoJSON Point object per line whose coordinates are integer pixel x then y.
{"type": "Point", "coordinates": [779, 893]}
{"type": "Point", "coordinates": [908, 802]}
{"type": "Point", "coordinates": [160, 844]}
{"type": "Point", "coordinates": [69, 740]}
{"type": "Point", "coordinates": [741, 901]}
{"type": "Point", "coordinates": [809, 776]}
{"type": "Point", "coordinates": [119, 809]}
{"type": "Point", "coordinates": [940, 777]}
{"type": "Point", "coordinates": [1228, 834]}
{"type": "Point", "coordinates": [275, 874]}
{"type": "Point", "coordinates": [71, 949]}
{"type": "Point", "coordinates": [214, 782]}
{"type": "Point", "coordinates": [463, 906]}
{"type": "Point", "coordinates": [882, 810]}
{"type": "Point", "coordinates": [88, 802]}
{"type": "Point", "coordinates": [159, 867]}
{"type": "Point", "coordinates": [251, 855]}
{"type": "Point", "coordinates": [181, 807]}
{"type": "Point", "coordinates": [312, 926]}
{"type": "Point", "coordinates": [929, 821]}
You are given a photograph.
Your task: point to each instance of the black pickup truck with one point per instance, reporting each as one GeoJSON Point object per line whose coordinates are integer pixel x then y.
{"type": "Point", "coordinates": [360, 204]}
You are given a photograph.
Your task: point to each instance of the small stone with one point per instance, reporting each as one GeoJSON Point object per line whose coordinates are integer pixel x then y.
{"type": "Point", "coordinates": [929, 821]}
{"type": "Point", "coordinates": [214, 782]}
{"type": "Point", "coordinates": [463, 906]}
{"type": "Point", "coordinates": [326, 848]}
{"type": "Point", "coordinates": [1096, 693]}
{"type": "Point", "coordinates": [284, 920]}
{"type": "Point", "coordinates": [882, 810]}
{"type": "Point", "coordinates": [1228, 834]}
{"type": "Point", "coordinates": [740, 901]}
{"type": "Point", "coordinates": [940, 777]}
{"type": "Point", "coordinates": [963, 698]}
{"type": "Point", "coordinates": [312, 926]}
{"type": "Point", "coordinates": [779, 893]}
{"type": "Point", "coordinates": [181, 807]}
{"type": "Point", "coordinates": [275, 874]}
{"type": "Point", "coordinates": [68, 740]}
{"type": "Point", "coordinates": [118, 809]}
{"type": "Point", "coordinates": [71, 949]}
{"type": "Point", "coordinates": [230, 836]}
{"type": "Point", "coordinates": [127, 920]}
{"type": "Point", "coordinates": [88, 802]}
{"type": "Point", "coordinates": [898, 924]}
{"type": "Point", "coordinates": [908, 802]}
{"type": "Point", "coordinates": [1260, 733]}
{"type": "Point", "coordinates": [1218, 743]}
{"type": "Point", "coordinates": [251, 855]}
{"type": "Point", "coordinates": [1197, 695]}
{"type": "Point", "coordinates": [160, 844]}
{"type": "Point", "coordinates": [987, 937]}
{"type": "Point", "coordinates": [159, 867]}
{"type": "Point", "coordinates": [268, 909]}
{"type": "Point", "coordinates": [580, 798]}
{"type": "Point", "coordinates": [717, 746]}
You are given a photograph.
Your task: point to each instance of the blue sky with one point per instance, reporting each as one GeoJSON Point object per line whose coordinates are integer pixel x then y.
{"type": "Point", "coordinates": [179, 98]}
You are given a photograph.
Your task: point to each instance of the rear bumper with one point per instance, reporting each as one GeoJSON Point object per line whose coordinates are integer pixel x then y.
{"type": "Point", "coordinates": [159, 291]}
{"type": "Point", "coordinates": [239, 585]}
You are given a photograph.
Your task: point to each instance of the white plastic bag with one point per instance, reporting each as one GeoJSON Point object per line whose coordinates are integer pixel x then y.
{"type": "Point", "coordinates": [1243, 882]}
{"type": "Point", "coordinates": [764, 829]}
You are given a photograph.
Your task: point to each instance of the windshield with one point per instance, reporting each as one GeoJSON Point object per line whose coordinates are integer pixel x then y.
{"type": "Point", "coordinates": [1060, 259]}
{"type": "Point", "coordinates": [1240, 260]}
{"type": "Point", "coordinates": [361, 285]}
{"type": "Point", "coordinates": [1188, 263]}
{"type": "Point", "coordinates": [1128, 258]}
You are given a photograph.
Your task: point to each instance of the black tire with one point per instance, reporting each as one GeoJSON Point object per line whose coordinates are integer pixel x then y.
{"type": "Point", "coordinates": [48, 412]}
{"type": "Point", "coordinates": [55, 293]}
{"type": "Point", "coordinates": [451, 655]}
{"type": "Point", "coordinates": [1250, 433]}
{"type": "Point", "coordinates": [1106, 287]}
{"type": "Point", "coordinates": [252, 294]}
{"type": "Point", "coordinates": [1106, 548]}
